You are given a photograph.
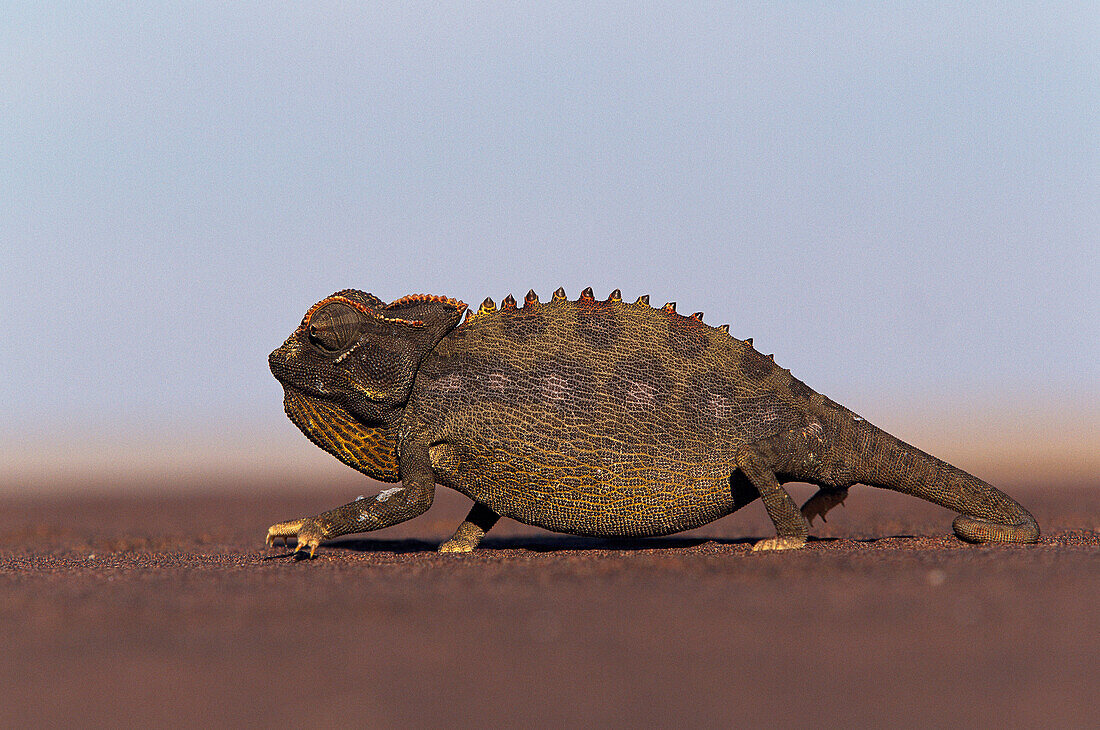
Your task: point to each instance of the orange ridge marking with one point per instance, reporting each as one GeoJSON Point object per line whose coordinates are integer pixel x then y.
{"type": "Point", "coordinates": [358, 307]}
{"type": "Point", "coordinates": [418, 298]}
{"type": "Point", "coordinates": [335, 298]}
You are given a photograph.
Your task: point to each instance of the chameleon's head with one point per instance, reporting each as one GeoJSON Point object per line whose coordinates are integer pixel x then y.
{"type": "Point", "coordinates": [356, 353]}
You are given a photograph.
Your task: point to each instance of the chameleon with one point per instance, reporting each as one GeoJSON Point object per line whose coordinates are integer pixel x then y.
{"type": "Point", "coordinates": [591, 417]}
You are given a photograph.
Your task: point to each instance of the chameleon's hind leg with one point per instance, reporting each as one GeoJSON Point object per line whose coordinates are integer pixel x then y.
{"type": "Point", "coordinates": [758, 462]}
{"type": "Point", "coordinates": [480, 520]}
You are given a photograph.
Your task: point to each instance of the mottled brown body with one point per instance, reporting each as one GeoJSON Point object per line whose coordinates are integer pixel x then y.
{"type": "Point", "coordinates": [599, 418]}
{"type": "Point", "coordinates": [590, 417]}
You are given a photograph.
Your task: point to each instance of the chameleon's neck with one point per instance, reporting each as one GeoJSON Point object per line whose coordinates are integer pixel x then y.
{"type": "Point", "coordinates": [881, 460]}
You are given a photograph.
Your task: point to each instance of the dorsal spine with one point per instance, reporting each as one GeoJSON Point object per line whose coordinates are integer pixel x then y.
{"type": "Point", "coordinates": [508, 304]}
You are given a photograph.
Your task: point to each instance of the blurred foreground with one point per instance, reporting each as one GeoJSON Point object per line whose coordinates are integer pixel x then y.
{"type": "Point", "coordinates": [127, 611]}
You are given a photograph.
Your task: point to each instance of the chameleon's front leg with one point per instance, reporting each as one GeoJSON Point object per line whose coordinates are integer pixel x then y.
{"type": "Point", "coordinates": [388, 507]}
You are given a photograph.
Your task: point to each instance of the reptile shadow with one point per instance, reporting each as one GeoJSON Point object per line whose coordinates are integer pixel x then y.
{"type": "Point", "coordinates": [575, 542]}
{"type": "Point", "coordinates": [402, 546]}
{"type": "Point", "coordinates": [556, 543]}
{"type": "Point", "coordinates": [547, 544]}
{"type": "Point", "coordinates": [552, 543]}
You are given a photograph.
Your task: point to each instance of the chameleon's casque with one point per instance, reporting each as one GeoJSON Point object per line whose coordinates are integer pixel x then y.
{"type": "Point", "coordinates": [589, 417]}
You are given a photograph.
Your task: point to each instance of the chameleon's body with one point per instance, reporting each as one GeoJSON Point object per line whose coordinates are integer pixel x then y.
{"type": "Point", "coordinates": [590, 417]}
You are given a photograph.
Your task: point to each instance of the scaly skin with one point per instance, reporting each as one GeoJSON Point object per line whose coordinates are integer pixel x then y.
{"type": "Point", "coordinates": [591, 417]}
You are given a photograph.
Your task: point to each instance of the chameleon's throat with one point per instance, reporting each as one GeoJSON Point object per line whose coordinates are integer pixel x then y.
{"type": "Point", "coordinates": [369, 449]}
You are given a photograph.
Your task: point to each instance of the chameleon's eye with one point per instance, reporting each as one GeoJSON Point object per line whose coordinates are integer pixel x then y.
{"type": "Point", "coordinates": [334, 327]}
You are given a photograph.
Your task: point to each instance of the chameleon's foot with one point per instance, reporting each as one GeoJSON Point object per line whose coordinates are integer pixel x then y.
{"type": "Point", "coordinates": [472, 529]}
{"type": "Point", "coordinates": [465, 539]}
{"type": "Point", "coordinates": [780, 543]}
{"type": "Point", "coordinates": [307, 531]}
{"type": "Point", "coordinates": [457, 545]}
{"type": "Point", "coordinates": [823, 501]}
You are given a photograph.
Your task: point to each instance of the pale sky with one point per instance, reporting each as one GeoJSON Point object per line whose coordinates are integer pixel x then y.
{"type": "Point", "coordinates": [902, 203]}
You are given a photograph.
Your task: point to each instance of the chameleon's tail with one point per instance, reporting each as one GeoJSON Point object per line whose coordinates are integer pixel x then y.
{"type": "Point", "coordinates": [986, 513]}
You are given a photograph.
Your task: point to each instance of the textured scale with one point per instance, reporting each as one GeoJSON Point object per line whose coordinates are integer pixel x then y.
{"type": "Point", "coordinates": [547, 390]}
{"type": "Point", "coordinates": [372, 451]}
{"type": "Point", "coordinates": [596, 417]}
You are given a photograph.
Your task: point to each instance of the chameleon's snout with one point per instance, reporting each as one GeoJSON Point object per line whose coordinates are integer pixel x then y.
{"type": "Point", "coordinates": [279, 362]}
{"type": "Point", "coordinates": [275, 361]}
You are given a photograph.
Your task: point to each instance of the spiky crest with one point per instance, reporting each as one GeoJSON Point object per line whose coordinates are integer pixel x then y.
{"type": "Point", "coordinates": [487, 307]}
{"type": "Point", "coordinates": [532, 300]}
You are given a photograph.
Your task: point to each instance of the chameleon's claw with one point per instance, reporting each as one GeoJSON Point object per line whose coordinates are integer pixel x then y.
{"type": "Point", "coordinates": [303, 544]}
{"type": "Point", "coordinates": [307, 532]}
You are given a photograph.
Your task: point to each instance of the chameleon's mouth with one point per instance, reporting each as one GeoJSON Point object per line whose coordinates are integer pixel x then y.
{"type": "Point", "coordinates": [369, 449]}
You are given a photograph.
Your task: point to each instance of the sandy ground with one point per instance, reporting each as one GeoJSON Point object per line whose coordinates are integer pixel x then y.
{"type": "Point", "coordinates": [132, 611]}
